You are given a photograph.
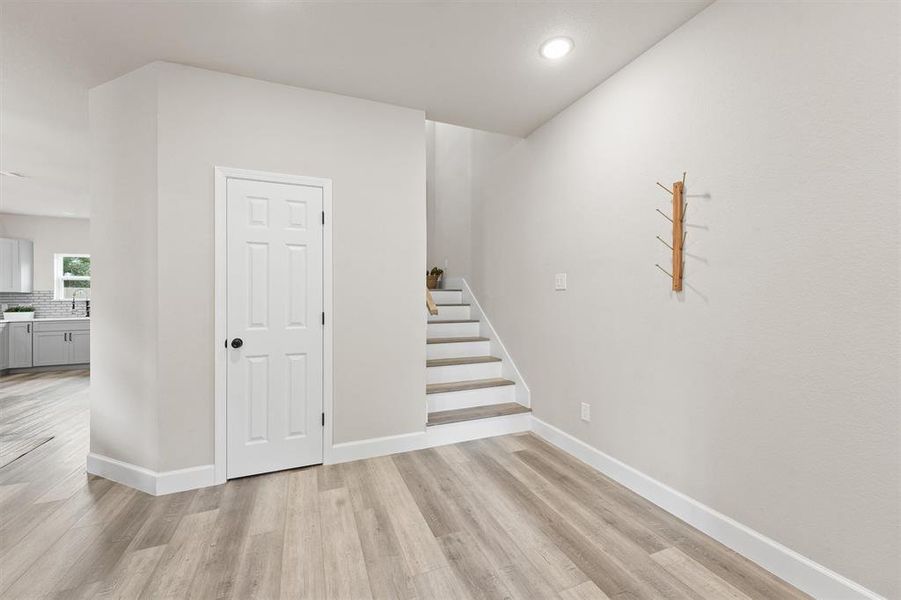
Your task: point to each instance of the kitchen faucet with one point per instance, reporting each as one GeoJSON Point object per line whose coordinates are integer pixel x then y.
{"type": "Point", "coordinates": [87, 302]}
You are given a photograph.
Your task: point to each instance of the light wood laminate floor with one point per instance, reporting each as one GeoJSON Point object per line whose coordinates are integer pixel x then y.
{"type": "Point", "coordinates": [509, 517]}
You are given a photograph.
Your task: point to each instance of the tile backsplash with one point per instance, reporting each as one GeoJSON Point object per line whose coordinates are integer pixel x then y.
{"type": "Point", "coordinates": [44, 305]}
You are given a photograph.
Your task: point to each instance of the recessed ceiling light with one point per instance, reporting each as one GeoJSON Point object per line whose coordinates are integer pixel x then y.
{"type": "Point", "coordinates": [11, 174]}
{"type": "Point", "coordinates": [557, 47]}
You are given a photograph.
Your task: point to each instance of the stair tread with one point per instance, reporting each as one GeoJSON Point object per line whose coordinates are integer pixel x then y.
{"type": "Point", "coordinates": [454, 321]}
{"type": "Point", "coordinates": [470, 384]}
{"type": "Point", "coordinates": [444, 417]}
{"type": "Point", "coordinates": [439, 304]}
{"type": "Point", "coordinates": [446, 290]}
{"type": "Point", "coordinates": [455, 340]}
{"type": "Point", "coordinates": [463, 360]}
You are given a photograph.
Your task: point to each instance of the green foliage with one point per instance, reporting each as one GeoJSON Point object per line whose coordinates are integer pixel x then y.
{"type": "Point", "coordinates": [436, 272]}
{"type": "Point", "coordinates": [20, 309]}
{"type": "Point", "coordinates": [77, 266]}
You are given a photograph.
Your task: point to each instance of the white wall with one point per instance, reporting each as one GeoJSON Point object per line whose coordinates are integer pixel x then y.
{"type": "Point", "coordinates": [449, 198]}
{"type": "Point", "coordinates": [769, 389]}
{"type": "Point", "coordinates": [51, 235]}
{"type": "Point", "coordinates": [374, 154]}
{"type": "Point", "coordinates": [453, 159]}
{"type": "Point", "coordinates": [124, 270]}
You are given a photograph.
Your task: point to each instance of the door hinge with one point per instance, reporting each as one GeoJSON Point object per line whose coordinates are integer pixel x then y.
{"type": "Point", "coordinates": [323, 419]}
{"type": "Point", "coordinates": [323, 217]}
{"type": "Point", "coordinates": [323, 318]}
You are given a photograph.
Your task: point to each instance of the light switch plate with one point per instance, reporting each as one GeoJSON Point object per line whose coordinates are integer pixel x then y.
{"type": "Point", "coordinates": [586, 412]}
{"type": "Point", "coordinates": [560, 281]}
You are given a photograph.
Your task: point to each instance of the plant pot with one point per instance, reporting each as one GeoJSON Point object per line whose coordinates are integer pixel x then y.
{"type": "Point", "coordinates": [431, 281]}
{"type": "Point", "coordinates": [18, 316]}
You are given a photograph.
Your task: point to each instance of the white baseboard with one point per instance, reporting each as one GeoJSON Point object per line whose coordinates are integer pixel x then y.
{"type": "Point", "coordinates": [803, 573]}
{"type": "Point", "coordinates": [441, 435]}
{"type": "Point", "coordinates": [156, 483]}
{"type": "Point", "coordinates": [370, 448]}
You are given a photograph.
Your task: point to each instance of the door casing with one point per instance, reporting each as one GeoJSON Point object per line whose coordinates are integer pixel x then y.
{"type": "Point", "coordinates": [221, 175]}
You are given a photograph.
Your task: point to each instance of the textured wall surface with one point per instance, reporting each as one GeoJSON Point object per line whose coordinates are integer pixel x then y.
{"type": "Point", "coordinates": [374, 155]}
{"type": "Point", "coordinates": [769, 389]}
{"type": "Point", "coordinates": [124, 268]}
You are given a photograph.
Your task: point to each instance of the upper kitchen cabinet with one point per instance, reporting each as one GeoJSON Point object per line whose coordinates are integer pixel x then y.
{"type": "Point", "coordinates": [16, 265]}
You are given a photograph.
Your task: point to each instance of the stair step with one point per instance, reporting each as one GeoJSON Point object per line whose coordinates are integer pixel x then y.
{"type": "Point", "coordinates": [447, 290]}
{"type": "Point", "coordinates": [446, 321]}
{"type": "Point", "coordinates": [464, 360]}
{"type": "Point", "coordinates": [456, 340]}
{"type": "Point", "coordinates": [437, 304]}
{"type": "Point", "coordinates": [476, 412]}
{"type": "Point", "coordinates": [472, 384]}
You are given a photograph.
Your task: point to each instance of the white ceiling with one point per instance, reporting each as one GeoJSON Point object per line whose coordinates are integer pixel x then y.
{"type": "Point", "coordinates": [473, 63]}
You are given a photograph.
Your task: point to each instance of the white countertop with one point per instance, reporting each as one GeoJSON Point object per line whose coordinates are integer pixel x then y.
{"type": "Point", "coordinates": [63, 319]}
{"type": "Point", "coordinates": [49, 319]}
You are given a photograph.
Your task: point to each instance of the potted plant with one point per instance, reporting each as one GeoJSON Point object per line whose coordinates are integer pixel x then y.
{"type": "Point", "coordinates": [433, 277]}
{"type": "Point", "coordinates": [19, 313]}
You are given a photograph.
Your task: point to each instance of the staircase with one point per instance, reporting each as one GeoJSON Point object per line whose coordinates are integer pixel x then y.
{"type": "Point", "coordinates": [464, 382]}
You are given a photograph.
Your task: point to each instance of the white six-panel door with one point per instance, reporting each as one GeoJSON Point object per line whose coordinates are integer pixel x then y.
{"type": "Point", "coordinates": [274, 306]}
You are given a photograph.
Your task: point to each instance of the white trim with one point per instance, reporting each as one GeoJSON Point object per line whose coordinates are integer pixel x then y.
{"type": "Point", "coordinates": [151, 482]}
{"type": "Point", "coordinates": [383, 446]}
{"type": "Point", "coordinates": [523, 394]}
{"type": "Point", "coordinates": [221, 175]}
{"type": "Point", "coordinates": [440, 435]}
{"type": "Point", "coordinates": [798, 570]}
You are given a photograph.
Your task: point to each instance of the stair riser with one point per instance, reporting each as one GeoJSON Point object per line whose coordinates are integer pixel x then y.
{"type": "Point", "coordinates": [447, 297]}
{"type": "Point", "coordinates": [470, 398]}
{"type": "Point", "coordinates": [458, 349]}
{"type": "Point", "coordinates": [452, 330]}
{"type": "Point", "coordinates": [451, 373]}
{"type": "Point", "coordinates": [451, 312]}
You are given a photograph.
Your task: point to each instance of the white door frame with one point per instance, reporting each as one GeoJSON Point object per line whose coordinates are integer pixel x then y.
{"type": "Point", "coordinates": [222, 174]}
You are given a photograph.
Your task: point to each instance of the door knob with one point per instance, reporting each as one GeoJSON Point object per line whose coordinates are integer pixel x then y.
{"type": "Point", "coordinates": [237, 343]}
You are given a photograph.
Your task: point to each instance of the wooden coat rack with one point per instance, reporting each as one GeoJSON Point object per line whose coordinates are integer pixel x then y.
{"type": "Point", "coordinates": [678, 221]}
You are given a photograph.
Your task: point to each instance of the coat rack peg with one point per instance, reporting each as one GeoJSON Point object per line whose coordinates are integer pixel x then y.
{"type": "Point", "coordinates": [684, 235]}
{"type": "Point", "coordinates": [678, 221]}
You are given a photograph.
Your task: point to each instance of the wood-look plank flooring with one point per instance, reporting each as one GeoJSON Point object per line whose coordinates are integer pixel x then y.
{"type": "Point", "coordinates": [508, 517]}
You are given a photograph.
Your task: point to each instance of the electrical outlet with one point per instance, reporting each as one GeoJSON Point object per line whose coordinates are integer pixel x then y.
{"type": "Point", "coordinates": [560, 281]}
{"type": "Point", "coordinates": [586, 412]}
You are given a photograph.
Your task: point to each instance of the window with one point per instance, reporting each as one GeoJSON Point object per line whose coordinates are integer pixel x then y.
{"type": "Point", "coordinates": [72, 275]}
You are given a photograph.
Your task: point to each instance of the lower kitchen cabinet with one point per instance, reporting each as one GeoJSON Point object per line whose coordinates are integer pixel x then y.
{"type": "Point", "coordinates": [61, 343]}
{"type": "Point", "coordinates": [80, 347]}
{"type": "Point", "coordinates": [4, 346]}
{"type": "Point", "coordinates": [19, 345]}
{"type": "Point", "coordinates": [51, 348]}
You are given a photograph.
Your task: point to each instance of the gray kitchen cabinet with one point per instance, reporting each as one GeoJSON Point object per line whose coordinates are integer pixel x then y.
{"type": "Point", "coordinates": [61, 343]}
{"type": "Point", "coordinates": [80, 347]}
{"type": "Point", "coordinates": [20, 345]}
{"type": "Point", "coordinates": [51, 348]}
{"type": "Point", "coordinates": [16, 265]}
{"type": "Point", "coordinates": [4, 346]}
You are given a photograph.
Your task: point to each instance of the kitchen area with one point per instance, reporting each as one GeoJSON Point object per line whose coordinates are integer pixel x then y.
{"type": "Point", "coordinates": [45, 305]}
